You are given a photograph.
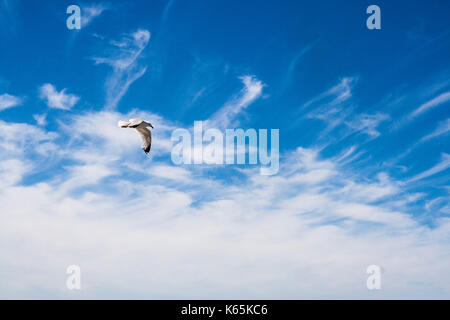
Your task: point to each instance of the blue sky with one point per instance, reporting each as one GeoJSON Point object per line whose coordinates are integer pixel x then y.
{"type": "Point", "coordinates": [364, 154]}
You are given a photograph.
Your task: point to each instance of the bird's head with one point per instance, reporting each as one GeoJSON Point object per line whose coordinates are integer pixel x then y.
{"type": "Point", "coordinates": [123, 124]}
{"type": "Point", "coordinates": [149, 125]}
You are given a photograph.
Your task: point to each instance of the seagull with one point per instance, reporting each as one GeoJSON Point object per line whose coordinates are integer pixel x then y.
{"type": "Point", "coordinates": [141, 127]}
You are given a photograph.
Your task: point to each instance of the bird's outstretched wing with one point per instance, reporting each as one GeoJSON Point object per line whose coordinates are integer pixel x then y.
{"type": "Point", "coordinates": [146, 137]}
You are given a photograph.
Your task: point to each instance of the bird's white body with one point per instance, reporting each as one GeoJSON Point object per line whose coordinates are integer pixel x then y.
{"type": "Point", "coordinates": [141, 127]}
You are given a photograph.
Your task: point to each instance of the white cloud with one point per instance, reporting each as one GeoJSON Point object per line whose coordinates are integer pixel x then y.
{"type": "Point", "coordinates": [41, 119]}
{"type": "Point", "coordinates": [9, 101]}
{"type": "Point", "coordinates": [55, 99]}
{"type": "Point", "coordinates": [12, 171]}
{"type": "Point", "coordinates": [18, 138]}
{"type": "Point", "coordinates": [22, 146]}
{"type": "Point", "coordinates": [84, 175]}
{"type": "Point", "coordinates": [141, 238]}
{"type": "Point", "coordinates": [171, 172]}
{"type": "Point", "coordinates": [144, 228]}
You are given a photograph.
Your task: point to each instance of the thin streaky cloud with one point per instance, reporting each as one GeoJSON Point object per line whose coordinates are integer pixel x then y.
{"type": "Point", "coordinates": [335, 107]}
{"type": "Point", "coordinates": [338, 93]}
{"type": "Point", "coordinates": [124, 55]}
{"type": "Point", "coordinates": [442, 129]}
{"type": "Point", "coordinates": [226, 116]}
{"type": "Point", "coordinates": [346, 153]}
{"type": "Point", "coordinates": [440, 99]}
{"type": "Point", "coordinates": [328, 105]}
{"type": "Point", "coordinates": [295, 61]}
{"type": "Point", "coordinates": [441, 166]}
{"type": "Point", "coordinates": [167, 9]}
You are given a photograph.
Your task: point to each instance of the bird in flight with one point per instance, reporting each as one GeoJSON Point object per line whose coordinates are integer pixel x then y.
{"type": "Point", "coordinates": [141, 127]}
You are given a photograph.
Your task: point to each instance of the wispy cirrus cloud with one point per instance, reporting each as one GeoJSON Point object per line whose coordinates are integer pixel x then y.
{"type": "Point", "coordinates": [291, 221]}
{"type": "Point", "coordinates": [328, 106]}
{"type": "Point", "coordinates": [336, 108]}
{"type": "Point", "coordinates": [337, 94]}
{"type": "Point", "coordinates": [57, 99]}
{"type": "Point", "coordinates": [8, 101]}
{"type": "Point", "coordinates": [226, 115]}
{"type": "Point", "coordinates": [123, 57]}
